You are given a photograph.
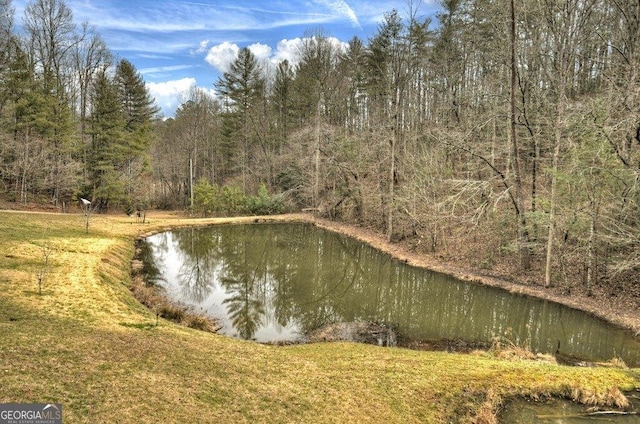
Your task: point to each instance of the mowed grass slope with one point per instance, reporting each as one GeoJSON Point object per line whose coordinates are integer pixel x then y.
{"type": "Point", "coordinates": [86, 343]}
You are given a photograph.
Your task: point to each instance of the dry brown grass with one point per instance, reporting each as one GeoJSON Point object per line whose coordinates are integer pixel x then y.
{"type": "Point", "coordinates": [488, 410]}
{"type": "Point", "coordinates": [610, 396]}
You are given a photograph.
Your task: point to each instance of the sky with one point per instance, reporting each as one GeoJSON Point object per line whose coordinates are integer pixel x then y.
{"type": "Point", "coordinates": [179, 44]}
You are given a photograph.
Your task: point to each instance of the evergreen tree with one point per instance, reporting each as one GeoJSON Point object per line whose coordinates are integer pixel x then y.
{"type": "Point", "coordinates": [23, 116]}
{"type": "Point", "coordinates": [108, 153]}
{"type": "Point", "coordinates": [138, 111]}
{"type": "Point", "coordinates": [138, 106]}
{"type": "Point", "coordinates": [242, 89]}
{"type": "Point", "coordinates": [353, 64]}
{"type": "Point", "coordinates": [6, 40]}
{"type": "Point", "coordinates": [282, 99]}
{"type": "Point", "coordinates": [44, 120]}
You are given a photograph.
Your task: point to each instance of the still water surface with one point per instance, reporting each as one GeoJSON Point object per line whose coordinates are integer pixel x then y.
{"type": "Point", "coordinates": [559, 411]}
{"type": "Point", "coordinates": [276, 282]}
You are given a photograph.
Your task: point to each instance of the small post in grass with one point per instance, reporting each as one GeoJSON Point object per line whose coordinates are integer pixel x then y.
{"type": "Point", "coordinates": [86, 210]}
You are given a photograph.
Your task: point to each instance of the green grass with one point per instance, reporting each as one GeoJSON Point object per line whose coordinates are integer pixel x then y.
{"type": "Point", "coordinates": [86, 343]}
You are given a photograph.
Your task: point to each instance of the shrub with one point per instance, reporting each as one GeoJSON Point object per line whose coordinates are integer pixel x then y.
{"type": "Point", "coordinates": [170, 311]}
{"type": "Point", "coordinates": [264, 203]}
{"type": "Point", "coordinates": [232, 201]}
{"type": "Point", "coordinates": [201, 322]}
{"type": "Point", "coordinates": [204, 197]}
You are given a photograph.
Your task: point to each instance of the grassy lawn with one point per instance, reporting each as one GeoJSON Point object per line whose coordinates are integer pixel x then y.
{"type": "Point", "coordinates": [83, 341]}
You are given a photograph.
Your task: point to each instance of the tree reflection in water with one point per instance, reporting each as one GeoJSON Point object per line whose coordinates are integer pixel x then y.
{"type": "Point", "coordinates": [199, 260]}
{"type": "Point", "coordinates": [245, 310]}
{"type": "Point", "coordinates": [151, 256]}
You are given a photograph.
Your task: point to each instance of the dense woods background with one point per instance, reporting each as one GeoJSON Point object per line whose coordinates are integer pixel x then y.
{"type": "Point", "coordinates": [505, 133]}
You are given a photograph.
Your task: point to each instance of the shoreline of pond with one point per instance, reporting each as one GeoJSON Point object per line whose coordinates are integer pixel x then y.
{"type": "Point", "coordinates": [597, 307]}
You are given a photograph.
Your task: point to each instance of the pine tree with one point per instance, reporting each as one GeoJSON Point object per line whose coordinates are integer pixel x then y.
{"type": "Point", "coordinates": [108, 150]}
{"type": "Point", "coordinates": [23, 145]}
{"type": "Point", "coordinates": [242, 89]}
{"type": "Point", "coordinates": [138, 110]}
{"type": "Point", "coordinates": [354, 65]}
{"type": "Point", "coordinates": [282, 99]}
{"type": "Point", "coordinates": [6, 41]}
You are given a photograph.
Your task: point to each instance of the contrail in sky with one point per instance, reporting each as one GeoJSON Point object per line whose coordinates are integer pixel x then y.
{"type": "Point", "coordinates": [343, 8]}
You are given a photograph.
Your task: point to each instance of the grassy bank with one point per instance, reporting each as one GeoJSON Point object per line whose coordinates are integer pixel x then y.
{"type": "Point", "coordinates": [82, 340]}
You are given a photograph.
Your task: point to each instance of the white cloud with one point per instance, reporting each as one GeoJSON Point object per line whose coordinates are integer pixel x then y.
{"type": "Point", "coordinates": [290, 49]}
{"type": "Point", "coordinates": [340, 45]}
{"type": "Point", "coordinates": [170, 94]}
{"type": "Point", "coordinates": [287, 49]}
{"type": "Point", "coordinates": [261, 51]}
{"type": "Point", "coordinates": [220, 56]}
{"type": "Point", "coordinates": [263, 54]}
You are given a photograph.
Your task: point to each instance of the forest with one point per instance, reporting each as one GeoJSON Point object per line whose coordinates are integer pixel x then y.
{"type": "Point", "coordinates": [501, 133]}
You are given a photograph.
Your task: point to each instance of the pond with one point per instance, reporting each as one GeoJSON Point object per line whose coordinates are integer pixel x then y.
{"type": "Point", "coordinates": [560, 411]}
{"type": "Point", "coordinates": [277, 282]}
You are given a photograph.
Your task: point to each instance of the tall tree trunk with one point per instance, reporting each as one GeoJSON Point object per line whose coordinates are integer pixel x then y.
{"type": "Point", "coordinates": [525, 261]}
{"type": "Point", "coordinates": [552, 206]}
{"type": "Point", "coordinates": [191, 183]}
{"type": "Point", "coordinates": [392, 187]}
{"type": "Point", "coordinates": [316, 182]}
{"type": "Point", "coordinates": [591, 246]}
